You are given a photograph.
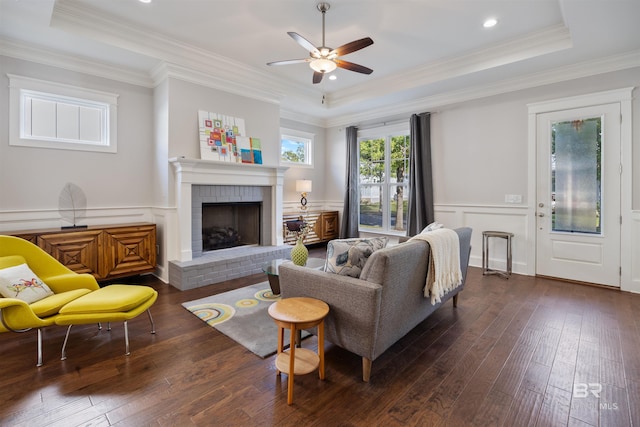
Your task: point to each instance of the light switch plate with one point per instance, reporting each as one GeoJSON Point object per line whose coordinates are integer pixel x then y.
{"type": "Point", "coordinates": [513, 198]}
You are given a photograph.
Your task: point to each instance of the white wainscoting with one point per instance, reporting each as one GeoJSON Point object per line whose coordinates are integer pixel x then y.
{"type": "Point", "coordinates": [480, 218]}
{"type": "Point", "coordinates": [50, 218]}
{"type": "Point", "coordinates": [631, 256]}
{"type": "Point", "coordinates": [517, 220]}
{"type": "Point", "coordinates": [512, 219]}
{"type": "Point", "coordinates": [162, 217]}
{"type": "Point", "coordinates": [317, 205]}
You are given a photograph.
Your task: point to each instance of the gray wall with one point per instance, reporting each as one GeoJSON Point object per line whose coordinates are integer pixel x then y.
{"type": "Point", "coordinates": [32, 178]}
{"type": "Point", "coordinates": [480, 147]}
{"type": "Point", "coordinates": [262, 120]}
{"type": "Point", "coordinates": [479, 155]}
{"type": "Point", "coordinates": [317, 174]}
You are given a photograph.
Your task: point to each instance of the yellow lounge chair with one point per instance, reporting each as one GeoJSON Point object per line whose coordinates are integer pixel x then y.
{"type": "Point", "coordinates": [18, 316]}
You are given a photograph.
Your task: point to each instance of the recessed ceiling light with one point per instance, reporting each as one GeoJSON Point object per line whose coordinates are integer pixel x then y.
{"type": "Point", "coordinates": [333, 77]}
{"type": "Point", "coordinates": [145, 1]}
{"type": "Point", "coordinates": [491, 22]}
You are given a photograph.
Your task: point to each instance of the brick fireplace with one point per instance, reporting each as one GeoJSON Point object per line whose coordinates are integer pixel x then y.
{"type": "Point", "coordinates": [201, 182]}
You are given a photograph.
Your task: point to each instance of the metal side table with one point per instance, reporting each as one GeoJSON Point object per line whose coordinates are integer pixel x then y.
{"type": "Point", "coordinates": [485, 252]}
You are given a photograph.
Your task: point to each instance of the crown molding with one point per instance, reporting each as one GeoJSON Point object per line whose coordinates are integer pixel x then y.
{"type": "Point", "coordinates": [80, 19]}
{"type": "Point", "coordinates": [40, 55]}
{"type": "Point", "coordinates": [571, 72]}
{"type": "Point", "coordinates": [205, 68]}
{"type": "Point", "coordinates": [299, 117]}
{"type": "Point", "coordinates": [166, 70]}
{"type": "Point", "coordinates": [551, 39]}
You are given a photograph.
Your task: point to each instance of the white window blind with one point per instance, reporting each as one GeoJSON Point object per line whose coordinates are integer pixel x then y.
{"type": "Point", "coordinates": [52, 115]}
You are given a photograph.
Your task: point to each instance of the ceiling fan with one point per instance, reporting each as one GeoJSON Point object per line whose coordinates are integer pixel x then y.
{"type": "Point", "coordinates": [324, 59]}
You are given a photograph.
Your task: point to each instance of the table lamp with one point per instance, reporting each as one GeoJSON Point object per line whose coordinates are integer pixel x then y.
{"type": "Point", "coordinates": [303, 186]}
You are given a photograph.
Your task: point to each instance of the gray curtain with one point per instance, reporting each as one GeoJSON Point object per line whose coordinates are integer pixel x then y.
{"type": "Point", "coordinates": [349, 227]}
{"type": "Point", "coordinates": [420, 178]}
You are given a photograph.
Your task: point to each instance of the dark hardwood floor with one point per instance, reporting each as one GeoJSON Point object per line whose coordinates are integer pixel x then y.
{"type": "Point", "coordinates": [516, 352]}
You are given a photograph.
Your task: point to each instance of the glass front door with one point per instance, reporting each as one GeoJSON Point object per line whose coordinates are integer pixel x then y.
{"type": "Point", "coordinates": [578, 194]}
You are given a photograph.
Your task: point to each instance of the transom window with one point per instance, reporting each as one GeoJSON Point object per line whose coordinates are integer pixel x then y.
{"type": "Point", "coordinates": [383, 180]}
{"type": "Point", "coordinates": [52, 115]}
{"type": "Point", "coordinates": [296, 148]}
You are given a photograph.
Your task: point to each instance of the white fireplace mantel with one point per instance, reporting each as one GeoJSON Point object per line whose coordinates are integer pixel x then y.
{"type": "Point", "coordinates": [190, 172]}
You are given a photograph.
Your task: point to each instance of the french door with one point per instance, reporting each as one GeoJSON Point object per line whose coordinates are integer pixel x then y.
{"type": "Point", "coordinates": [578, 194]}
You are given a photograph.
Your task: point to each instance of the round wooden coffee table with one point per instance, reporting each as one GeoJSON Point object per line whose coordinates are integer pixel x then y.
{"type": "Point", "coordinates": [297, 314]}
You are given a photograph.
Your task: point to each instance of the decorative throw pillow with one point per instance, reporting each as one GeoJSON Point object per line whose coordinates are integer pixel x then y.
{"type": "Point", "coordinates": [22, 283]}
{"type": "Point", "coordinates": [348, 256]}
{"type": "Point", "coordinates": [433, 226]}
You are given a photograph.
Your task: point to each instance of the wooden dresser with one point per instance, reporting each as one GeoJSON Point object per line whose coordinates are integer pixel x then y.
{"type": "Point", "coordinates": [323, 226]}
{"type": "Point", "coordinates": [107, 252]}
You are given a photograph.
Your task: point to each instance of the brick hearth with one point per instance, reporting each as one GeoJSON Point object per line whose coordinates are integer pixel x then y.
{"type": "Point", "coordinates": [218, 266]}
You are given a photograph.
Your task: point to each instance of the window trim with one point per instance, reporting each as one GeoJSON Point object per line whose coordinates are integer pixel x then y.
{"type": "Point", "coordinates": [298, 136]}
{"type": "Point", "coordinates": [20, 87]}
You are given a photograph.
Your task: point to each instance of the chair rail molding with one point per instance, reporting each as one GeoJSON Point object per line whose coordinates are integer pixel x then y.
{"type": "Point", "coordinates": [509, 218]}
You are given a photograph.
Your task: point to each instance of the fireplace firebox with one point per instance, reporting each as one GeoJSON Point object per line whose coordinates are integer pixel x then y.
{"type": "Point", "coordinates": [227, 225]}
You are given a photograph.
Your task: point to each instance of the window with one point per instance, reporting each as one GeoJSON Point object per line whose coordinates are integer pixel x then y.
{"type": "Point", "coordinates": [296, 148]}
{"type": "Point", "coordinates": [52, 115]}
{"type": "Point", "coordinates": [576, 181]}
{"type": "Point", "coordinates": [384, 179]}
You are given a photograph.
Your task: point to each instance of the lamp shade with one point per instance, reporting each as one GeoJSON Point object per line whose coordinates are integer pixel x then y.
{"type": "Point", "coordinates": [303, 185]}
{"type": "Point", "coordinates": [322, 65]}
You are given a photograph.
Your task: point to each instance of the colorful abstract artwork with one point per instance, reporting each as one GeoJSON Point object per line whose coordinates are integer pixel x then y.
{"type": "Point", "coordinates": [250, 150]}
{"type": "Point", "coordinates": [256, 149]}
{"type": "Point", "coordinates": [218, 137]}
{"type": "Point", "coordinates": [223, 138]}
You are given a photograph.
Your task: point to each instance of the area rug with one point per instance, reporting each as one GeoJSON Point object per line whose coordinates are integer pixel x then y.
{"type": "Point", "coordinates": [242, 315]}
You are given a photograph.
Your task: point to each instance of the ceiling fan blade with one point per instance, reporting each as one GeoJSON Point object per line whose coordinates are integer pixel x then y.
{"type": "Point", "coordinates": [304, 43]}
{"type": "Point", "coordinates": [352, 47]}
{"type": "Point", "coordinates": [290, 61]}
{"type": "Point", "coordinates": [317, 77]}
{"type": "Point", "coordinates": [352, 67]}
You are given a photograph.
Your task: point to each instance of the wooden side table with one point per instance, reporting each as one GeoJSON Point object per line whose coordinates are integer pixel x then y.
{"type": "Point", "coordinates": [297, 314]}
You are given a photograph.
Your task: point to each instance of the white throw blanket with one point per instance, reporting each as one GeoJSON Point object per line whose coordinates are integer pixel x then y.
{"type": "Point", "coordinates": [443, 273]}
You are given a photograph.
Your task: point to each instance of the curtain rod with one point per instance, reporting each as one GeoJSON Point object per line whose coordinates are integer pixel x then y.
{"type": "Point", "coordinates": [390, 122]}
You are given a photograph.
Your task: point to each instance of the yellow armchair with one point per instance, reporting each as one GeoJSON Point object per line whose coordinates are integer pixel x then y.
{"type": "Point", "coordinates": [18, 316]}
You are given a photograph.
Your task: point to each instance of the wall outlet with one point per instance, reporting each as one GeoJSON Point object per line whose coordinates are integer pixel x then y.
{"type": "Point", "coordinates": [513, 198]}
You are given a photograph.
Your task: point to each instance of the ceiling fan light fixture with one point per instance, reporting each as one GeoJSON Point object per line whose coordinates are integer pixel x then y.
{"type": "Point", "coordinates": [323, 59]}
{"type": "Point", "coordinates": [322, 65]}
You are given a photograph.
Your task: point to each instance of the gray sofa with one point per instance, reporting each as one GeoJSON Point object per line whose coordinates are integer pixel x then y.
{"type": "Point", "coordinates": [369, 314]}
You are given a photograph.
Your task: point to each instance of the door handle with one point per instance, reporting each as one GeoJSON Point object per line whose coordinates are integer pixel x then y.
{"type": "Point", "coordinates": [540, 214]}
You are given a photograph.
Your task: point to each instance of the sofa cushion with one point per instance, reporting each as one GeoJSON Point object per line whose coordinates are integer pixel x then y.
{"type": "Point", "coordinates": [433, 226]}
{"type": "Point", "coordinates": [22, 283]}
{"type": "Point", "coordinates": [347, 257]}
